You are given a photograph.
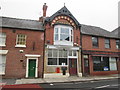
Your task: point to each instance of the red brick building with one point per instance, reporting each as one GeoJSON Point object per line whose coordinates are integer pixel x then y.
{"type": "Point", "coordinates": [52, 45]}
{"type": "Point", "coordinates": [21, 48]}
{"type": "Point", "coordinates": [62, 44]}
{"type": "Point", "coordinates": [100, 51]}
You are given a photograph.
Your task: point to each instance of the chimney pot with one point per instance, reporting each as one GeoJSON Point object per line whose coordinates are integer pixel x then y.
{"type": "Point", "coordinates": [44, 9]}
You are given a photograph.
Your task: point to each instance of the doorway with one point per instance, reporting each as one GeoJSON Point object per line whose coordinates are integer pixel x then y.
{"type": "Point", "coordinates": [73, 66]}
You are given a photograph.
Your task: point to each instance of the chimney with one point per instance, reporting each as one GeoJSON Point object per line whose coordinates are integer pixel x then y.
{"type": "Point", "coordinates": [44, 9]}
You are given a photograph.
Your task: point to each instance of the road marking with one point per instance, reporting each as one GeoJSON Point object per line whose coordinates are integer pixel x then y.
{"type": "Point", "coordinates": [51, 84]}
{"type": "Point", "coordinates": [103, 86]}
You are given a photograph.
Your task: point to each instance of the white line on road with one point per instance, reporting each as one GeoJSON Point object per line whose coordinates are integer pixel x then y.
{"type": "Point", "coordinates": [103, 86]}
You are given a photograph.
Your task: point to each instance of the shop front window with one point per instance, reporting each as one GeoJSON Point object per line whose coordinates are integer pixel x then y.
{"type": "Point", "coordinates": [104, 63]}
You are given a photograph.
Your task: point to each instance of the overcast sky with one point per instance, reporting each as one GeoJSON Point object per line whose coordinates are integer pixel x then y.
{"type": "Point", "coordinates": [101, 13]}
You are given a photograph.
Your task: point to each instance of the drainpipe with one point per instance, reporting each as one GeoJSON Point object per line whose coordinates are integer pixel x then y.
{"type": "Point", "coordinates": [43, 52]}
{"type": "Point", "coordinates": [81, 50]}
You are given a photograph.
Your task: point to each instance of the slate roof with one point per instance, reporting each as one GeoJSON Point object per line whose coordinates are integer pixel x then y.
{"type": "Point", "coordinates": [97, 31]}
{"type": "Point", "coordinates": [116, 32]}
{"type": "Point", "coordinates": [8, 22]}
{"type": "Point", "coordinates": [63, 11]}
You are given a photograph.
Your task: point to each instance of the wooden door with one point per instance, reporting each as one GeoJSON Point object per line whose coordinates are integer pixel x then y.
{"type": "Point", "coordinates": [73, 66]}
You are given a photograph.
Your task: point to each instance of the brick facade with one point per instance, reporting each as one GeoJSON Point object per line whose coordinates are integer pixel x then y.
{"type": "Point", "coordinates": [101, 51]}
{"type": "Point", "coordinates": [16, 61]}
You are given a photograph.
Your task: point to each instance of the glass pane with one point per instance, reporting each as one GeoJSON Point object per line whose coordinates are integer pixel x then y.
{"type": "Point", "coordinates": [60, 53]}
{"type": "Point", "coordinates": [107, 41]}
{"type": "Point", "coordinates": [74, 53]}
{"type": "Point", "coordinates": [49, 53]}
{"type": "Point", "coordinates": [52, 61]}
{"type": "Point", "coordinates": [56, 30]}
{"type": "Point", "coordinates": [21, 40]}
{"type": "Point", "coordinates": [64, 37]}
{"type": "Point", "coordinates": [107, 46]}
{"type": "Point", "coordinates": [65, 31]}
{"type": "Point", "coordinates": [65, 54]}
{"type": "Point", "coordinates": [62, 60]}
{"type": "Point", "coordinates": [70, 53]}
{"type": "Point", "coordinates": [113, 64]}
{"type": "Point", "coordinates": [55, 52]}
{"type": "Point", "coordinates": [97, 63]}
{"type": "Point", "coordinates": [56, 37]}
{"type": "Point", "coordinates": [2, 63]}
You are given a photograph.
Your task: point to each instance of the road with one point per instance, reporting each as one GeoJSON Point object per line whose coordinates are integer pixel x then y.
{"type": "Point", "coordinates": [113, 84]}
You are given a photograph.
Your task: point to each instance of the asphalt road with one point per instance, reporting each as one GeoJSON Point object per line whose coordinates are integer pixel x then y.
{"type": "Point", "coordinates": [113, 84]}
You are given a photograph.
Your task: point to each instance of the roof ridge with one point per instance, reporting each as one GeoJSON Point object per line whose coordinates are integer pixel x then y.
{"type": "Point", "coordinates": [18, 18]}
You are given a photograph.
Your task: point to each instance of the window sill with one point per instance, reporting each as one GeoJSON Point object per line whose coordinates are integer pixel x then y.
{"type": "Point", "coordinates": [23, 46]}
{"type": "Point", "coordinates": [2, 45]}
{"type": "Point", "coordinates": [2, 73]}
{"type": "Point", "coordinates": [58, 65]}
{"type": "Point", "coordinates": [95, 47]}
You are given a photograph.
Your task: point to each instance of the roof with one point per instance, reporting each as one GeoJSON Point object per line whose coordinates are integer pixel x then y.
{"type": "Point", "coordinates": [116, 32]}
{"type": "Point", "coordinates": [8, 22]}
{"type": "Point", "coordinates": [63, 11]}
{"type": "Point", "coordinates": [97, 31]}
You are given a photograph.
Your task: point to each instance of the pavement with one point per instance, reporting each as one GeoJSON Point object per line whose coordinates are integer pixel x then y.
{"type": "Point", "coordinates": [56, 79]}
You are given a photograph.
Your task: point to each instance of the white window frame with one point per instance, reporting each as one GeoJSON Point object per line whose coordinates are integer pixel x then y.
{"type": "Point", "coordinates": [3, 52]}
{"type": "Point", "coordinates": [3, 36]}
{"type": "Point", "coordinates": [72, 56]}
{"type": "Point", "coordinates": [63, 42]}
{"type": "Point", "coordinates": [19, 45]}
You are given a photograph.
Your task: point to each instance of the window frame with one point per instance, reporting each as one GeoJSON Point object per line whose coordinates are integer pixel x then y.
{"type": "Point", "coordinates": [94, 41]}
{"type": "Point", "coordinates": [107, 43]}
{"type": "Point", "coordinates": [19, 45]}
{"type": "Point", "coordinates": [64, 56]}
{"type": "Point", "coordinates": [117, 44]}
{"type": "Point", "coordinates": [3, 36]}
{"type": "Point", "coordinates": [3, 72]}
{"type": "Point", "coordinates": [58, 35]}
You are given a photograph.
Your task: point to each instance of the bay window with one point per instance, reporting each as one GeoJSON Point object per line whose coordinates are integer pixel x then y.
{"type": "Point", "coordinates": [63, 35]}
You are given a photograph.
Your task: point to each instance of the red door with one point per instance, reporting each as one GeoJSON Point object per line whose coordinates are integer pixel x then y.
{"type": "Point", "coordinates": [73, 66]}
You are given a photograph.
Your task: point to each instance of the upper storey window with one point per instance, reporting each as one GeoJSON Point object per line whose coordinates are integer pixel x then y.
{"type": "Point", "coordinates": [95, 41]}
{"type": "Point", "coordinates": [2, 39]}
{"type": "Point", "coordinates": [21, 40]}
{"type": "Point", "coordinates": [118, 44]}
{"type": "Point", "coordinates": [107, 43]}
{"type": "Point", "coordinates": [63, 35]}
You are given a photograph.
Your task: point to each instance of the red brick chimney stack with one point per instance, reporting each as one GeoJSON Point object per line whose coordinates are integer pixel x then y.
{"type": "Point", "coordinates": [44, 9]}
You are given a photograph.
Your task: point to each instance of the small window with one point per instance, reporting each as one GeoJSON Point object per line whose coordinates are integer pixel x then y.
{"type": "Point", "coordinates": [21, 40]}
{"type": "Point", "coordinates": [2, 39]}
{"type": "Point", "coordinates": [107, 43]}
{"type": "Point", "coordinates": [118, 44]}
{"type": "Point", "coordinates": [95, 41]}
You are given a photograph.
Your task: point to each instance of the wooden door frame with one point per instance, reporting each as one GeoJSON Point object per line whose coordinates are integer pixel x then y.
{"type": "Point", "coordinates": [27, 67]}
{"type": "Point", "coordinates": [73, 57]}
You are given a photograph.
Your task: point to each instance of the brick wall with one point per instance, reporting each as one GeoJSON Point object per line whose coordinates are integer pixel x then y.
{"type": "Point", "coordinates": [87, 44]}
{"type": "Point", "coordinates": [15, 68]}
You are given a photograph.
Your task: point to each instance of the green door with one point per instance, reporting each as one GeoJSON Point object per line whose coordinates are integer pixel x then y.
{"type": "Point", "coordinates": [31, 67]}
